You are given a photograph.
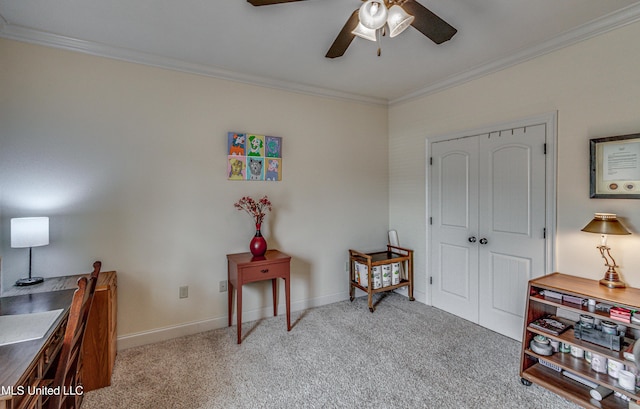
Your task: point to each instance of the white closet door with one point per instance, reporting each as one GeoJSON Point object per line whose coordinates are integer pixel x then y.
{"type": "Point", "coordinates": [454, 198]}
{"type": "Point", "coordinates": [512, 209]}
{"type": "Point", "coordinates": [487, 225]}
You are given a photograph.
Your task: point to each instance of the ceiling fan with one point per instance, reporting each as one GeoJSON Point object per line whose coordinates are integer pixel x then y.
{"type": "Point", "coordinates": [375, 17]}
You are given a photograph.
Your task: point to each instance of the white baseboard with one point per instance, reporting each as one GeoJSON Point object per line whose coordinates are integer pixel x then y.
{"type": "Point", "coordinates": [419, 296]}
{"type": "Point", "coordinates": [175, 331]}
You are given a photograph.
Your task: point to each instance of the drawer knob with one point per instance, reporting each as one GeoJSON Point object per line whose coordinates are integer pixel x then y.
{"type": "Point", "coordinates": [264, 270]}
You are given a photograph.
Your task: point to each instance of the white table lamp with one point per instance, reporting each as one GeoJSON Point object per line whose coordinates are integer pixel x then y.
{"type": "Point", "coordinates": [29, 232]}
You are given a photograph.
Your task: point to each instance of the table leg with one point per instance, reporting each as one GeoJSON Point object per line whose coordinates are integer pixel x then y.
{"type": "Point", "coordinates": [239, 312]}
{"type": "Point", "coordinates": [274, 290]}
{"type": "Point", "coordinates": [410, 275]}
{"type": "Point", "coordinates": [287, 294]}
{"type": "Point", "coordinates": [230, 301]}
{"type": "Point", "coordinates": [352, 278]}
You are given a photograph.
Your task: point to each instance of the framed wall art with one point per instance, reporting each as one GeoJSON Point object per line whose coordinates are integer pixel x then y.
{"type": "Point", "coordinates": [615, 167]}
{"type": "Point", "coordinates": [254, 157]}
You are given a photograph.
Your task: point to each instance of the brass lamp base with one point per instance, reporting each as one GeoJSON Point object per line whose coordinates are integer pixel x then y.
{"type": "Point", "coordinates": [612, 280]}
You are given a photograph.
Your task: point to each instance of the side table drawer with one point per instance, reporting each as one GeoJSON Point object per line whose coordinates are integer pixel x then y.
{"type": "Point", "coordinates": [264, 272]}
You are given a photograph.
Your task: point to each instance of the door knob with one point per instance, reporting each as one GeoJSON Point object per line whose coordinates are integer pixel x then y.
{"type": "Point", "coordinates": [483, 241]}
{"type": "Point", "coordinates": [472, 239]}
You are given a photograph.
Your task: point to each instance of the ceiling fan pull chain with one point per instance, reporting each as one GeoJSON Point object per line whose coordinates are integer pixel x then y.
{"type": "Point", "coordinates": [378, 32]}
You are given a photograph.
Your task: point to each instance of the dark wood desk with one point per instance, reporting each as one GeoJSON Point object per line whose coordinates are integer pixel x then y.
{"type": "Point", "coordinates": [26, 362]}
{"type": "Point", "coordinates": [23, 364]}
{"type": "Point", "coordinates": [245, 268]}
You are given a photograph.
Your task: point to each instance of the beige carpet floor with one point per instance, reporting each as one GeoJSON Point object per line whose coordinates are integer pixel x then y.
{"type": "Point", "coordinates": [404, 355]}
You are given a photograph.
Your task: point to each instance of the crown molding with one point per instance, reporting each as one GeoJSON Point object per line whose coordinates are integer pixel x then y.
{"type": "Point", "coordinates": [623, 17]}
{"type": "Point", "coordinates": [19, 33]}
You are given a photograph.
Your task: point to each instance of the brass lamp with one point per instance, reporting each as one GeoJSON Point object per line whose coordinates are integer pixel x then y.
{"type": "Point", "coordinates": [605, 224]}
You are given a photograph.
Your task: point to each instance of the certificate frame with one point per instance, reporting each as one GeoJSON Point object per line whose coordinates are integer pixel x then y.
{"type": "Point", "coordinates": [615, 167]}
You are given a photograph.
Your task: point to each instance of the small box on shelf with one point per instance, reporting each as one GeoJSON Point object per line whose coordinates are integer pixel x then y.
{"type": "Point", "coordinates": [615, 342]}
{"type": "Point", "coordinates": [552, 294]}
{"type": "Point", "coordinates": [572, 299]}
{"type": "Point", "coordinates": [550, 324]}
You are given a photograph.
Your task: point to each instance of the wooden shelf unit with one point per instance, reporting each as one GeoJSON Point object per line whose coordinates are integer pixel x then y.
{"type": "Point", "coordinates": [393, 254]}
{"type": "Point", "coordinates": [538, 305]}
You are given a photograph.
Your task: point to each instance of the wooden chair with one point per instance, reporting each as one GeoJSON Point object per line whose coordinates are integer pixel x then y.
{"type": "Point", "coordinates": [70, 358]}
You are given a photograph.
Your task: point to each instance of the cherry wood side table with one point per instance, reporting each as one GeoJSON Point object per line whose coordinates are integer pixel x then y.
{"type": "Point", "coordinates": [245, 268]}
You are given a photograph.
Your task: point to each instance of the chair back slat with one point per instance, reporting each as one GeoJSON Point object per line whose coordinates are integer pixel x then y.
{"type": "Point", "coordinates": [69, 362]}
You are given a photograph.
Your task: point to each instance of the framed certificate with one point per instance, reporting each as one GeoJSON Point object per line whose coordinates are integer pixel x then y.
{"type": "Point", "coordinates": [615, 167]}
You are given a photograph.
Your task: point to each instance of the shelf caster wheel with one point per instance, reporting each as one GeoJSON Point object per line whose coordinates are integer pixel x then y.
{"type": "Point", "coordinates": [525, 382]}
{"type": "Point", "coordinates": [412, 299]}
{"type": "Point", "coordinates": [371, 309]}
{"type": "Point", "coordinates": [352, 298]}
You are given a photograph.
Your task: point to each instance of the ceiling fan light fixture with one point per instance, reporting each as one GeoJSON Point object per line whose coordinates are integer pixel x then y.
{"type": "Point", "coordinates": [398, 20]}
{"type": "Point", "coordinates": [373, 14]}
{"type": "Point", "coordinates": [364, 32]}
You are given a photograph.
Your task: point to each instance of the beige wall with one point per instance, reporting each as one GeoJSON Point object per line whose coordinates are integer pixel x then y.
{"type": "Point", "coordinates": [129, 163]}
{"type": "Point", "coordinates": [595, 88]}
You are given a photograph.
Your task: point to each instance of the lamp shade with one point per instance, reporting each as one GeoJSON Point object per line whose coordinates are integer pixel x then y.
{"type": "Point", "coordinates": [364, 32]}
{"type": "Point", "coordinates": [398, 20]}
{"type": "Point", "coordinates": [373, 14]}
{"type": "Point", "coordinates": [605, 223]}
{"type": "Point", "coordinates": [29, 232]}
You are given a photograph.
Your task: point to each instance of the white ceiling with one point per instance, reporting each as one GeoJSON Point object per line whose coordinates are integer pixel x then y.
{"type": "Point", "coordinates": [283, 45]}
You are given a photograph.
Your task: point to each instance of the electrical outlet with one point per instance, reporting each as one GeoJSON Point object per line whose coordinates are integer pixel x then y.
{"type": "Point", "coordinates": [223, 286]}
{"type": "Point", "coordinates": [184, 291]}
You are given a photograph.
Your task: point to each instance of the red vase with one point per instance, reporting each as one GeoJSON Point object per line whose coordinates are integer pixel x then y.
{"type": "Point", "coordinates": [258, 245]}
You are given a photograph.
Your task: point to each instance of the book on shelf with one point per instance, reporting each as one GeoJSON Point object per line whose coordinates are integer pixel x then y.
{"type": "Point", "coordinates": [549, 324]}
{"type": "Point", "coordinates": [620, 318]}
{"type": "Point", "coordinates": [620, 314]}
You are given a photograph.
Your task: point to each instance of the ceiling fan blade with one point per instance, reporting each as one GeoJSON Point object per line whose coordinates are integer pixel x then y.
{"type": "Point", "coordinates": [268, 2]}
{"type": "Point", "coordinates": [428, 23]}
{"type": "Point", "coordinates": [344, 38]}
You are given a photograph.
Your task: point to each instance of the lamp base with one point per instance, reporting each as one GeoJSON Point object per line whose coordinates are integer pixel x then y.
{"type": "Point", "coordinates": [612, 279]}
{"type": "Point", "coordinates": [23, 282]}
{"type": "Point", "coordinates": [612, 284]}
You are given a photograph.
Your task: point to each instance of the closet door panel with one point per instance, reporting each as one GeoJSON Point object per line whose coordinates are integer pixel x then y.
{"type": "Point", "coordinates": [454, 201]}
{"type": "Point", "coordinates": [512, 220]}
